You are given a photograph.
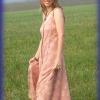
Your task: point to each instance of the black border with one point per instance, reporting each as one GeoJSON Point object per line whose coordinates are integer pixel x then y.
{"type": "Point", "coordinates": [1, 50]}
{"type": "Point", "coordinates": [98, 50]}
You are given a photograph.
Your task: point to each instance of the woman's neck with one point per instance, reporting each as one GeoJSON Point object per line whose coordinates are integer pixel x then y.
{"type": "Point", "coordinates": [49, 9]}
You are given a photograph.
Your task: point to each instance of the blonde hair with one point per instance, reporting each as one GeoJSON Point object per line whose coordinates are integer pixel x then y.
{"type": "Point", "coordinates": [54, 4]}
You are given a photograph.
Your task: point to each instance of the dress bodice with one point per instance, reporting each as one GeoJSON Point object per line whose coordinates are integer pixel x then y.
{"type": "Point", "coordinates": [49, 37]}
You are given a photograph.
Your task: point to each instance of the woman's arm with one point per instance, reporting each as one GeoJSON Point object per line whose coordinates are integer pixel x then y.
{"type": "Point", "coordinates": [59, 20]}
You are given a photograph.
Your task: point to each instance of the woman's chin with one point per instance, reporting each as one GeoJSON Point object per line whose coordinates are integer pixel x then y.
{"type": "Point", "coordinates": [47, 5]}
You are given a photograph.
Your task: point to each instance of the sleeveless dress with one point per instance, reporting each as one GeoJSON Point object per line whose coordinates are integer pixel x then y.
{"type": "Point", "coordinates": [45, 83]}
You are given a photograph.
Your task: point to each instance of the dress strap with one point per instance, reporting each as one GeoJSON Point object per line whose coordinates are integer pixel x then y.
{"type": "Point", "coordinates": [53, 12]}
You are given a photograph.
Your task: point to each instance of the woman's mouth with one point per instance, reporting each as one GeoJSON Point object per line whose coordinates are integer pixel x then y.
{"type": "Point", "coordinates": [46, 2]}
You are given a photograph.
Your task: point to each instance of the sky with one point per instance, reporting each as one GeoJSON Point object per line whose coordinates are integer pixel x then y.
{"type": "Point", "coordinates": [11, 1]}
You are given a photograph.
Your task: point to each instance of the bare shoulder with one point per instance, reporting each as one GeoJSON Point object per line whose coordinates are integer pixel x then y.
{"type": "Point", "coordinates": [58, 10]}
{"type": "Point", "coordinates": [58, 13]}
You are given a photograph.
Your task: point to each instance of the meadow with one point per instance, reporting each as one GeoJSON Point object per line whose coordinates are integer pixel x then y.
{"type": "Point", "coordinates": [21, 39]}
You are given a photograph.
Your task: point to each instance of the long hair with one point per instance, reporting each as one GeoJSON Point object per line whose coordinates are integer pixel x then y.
{"type": "Point", "coordinates": [54, 5]}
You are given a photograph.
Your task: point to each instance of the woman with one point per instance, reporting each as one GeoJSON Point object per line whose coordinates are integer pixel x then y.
{"type": "Point", "coordinates": [47, 78]}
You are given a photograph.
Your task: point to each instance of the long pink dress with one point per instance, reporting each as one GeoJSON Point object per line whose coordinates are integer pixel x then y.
{"type": "Point", "coordinates": [43, 82]}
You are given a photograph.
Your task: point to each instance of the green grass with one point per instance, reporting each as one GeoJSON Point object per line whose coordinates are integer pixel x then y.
{"type": "Point", "coordinates": [21, 39]}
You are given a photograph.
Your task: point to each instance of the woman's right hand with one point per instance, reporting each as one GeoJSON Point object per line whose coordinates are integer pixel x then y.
{"type": "Point", "coordinates": [31, 60]}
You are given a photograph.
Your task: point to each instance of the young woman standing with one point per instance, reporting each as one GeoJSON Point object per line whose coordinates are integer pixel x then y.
{"type": "Point", "coordinates": [47, 77]}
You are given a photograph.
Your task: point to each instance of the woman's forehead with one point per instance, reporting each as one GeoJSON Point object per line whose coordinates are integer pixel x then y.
{"type": "Point", "coordinates": [47, 0]}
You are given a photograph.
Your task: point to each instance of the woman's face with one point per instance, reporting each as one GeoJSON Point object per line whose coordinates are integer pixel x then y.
{"type": "Point", "coordinates": [47, 3]}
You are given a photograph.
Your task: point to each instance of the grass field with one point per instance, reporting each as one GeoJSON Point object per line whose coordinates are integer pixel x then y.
{"type": "Point", "coordinates": [21, 39]}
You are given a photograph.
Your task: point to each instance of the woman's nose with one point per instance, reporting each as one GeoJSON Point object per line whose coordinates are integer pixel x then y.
{"type": "Point", "coordinates": [46, 0]}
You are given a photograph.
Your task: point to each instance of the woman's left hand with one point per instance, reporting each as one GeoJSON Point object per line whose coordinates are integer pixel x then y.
{"type": "Point", "coordinates": [57, 66]}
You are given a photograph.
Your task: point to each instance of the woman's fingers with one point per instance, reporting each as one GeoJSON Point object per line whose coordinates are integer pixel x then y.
{"type": "Point", "coordinates": [56, 67]}
{"type": "Point", "coordinates": [31, 60]}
